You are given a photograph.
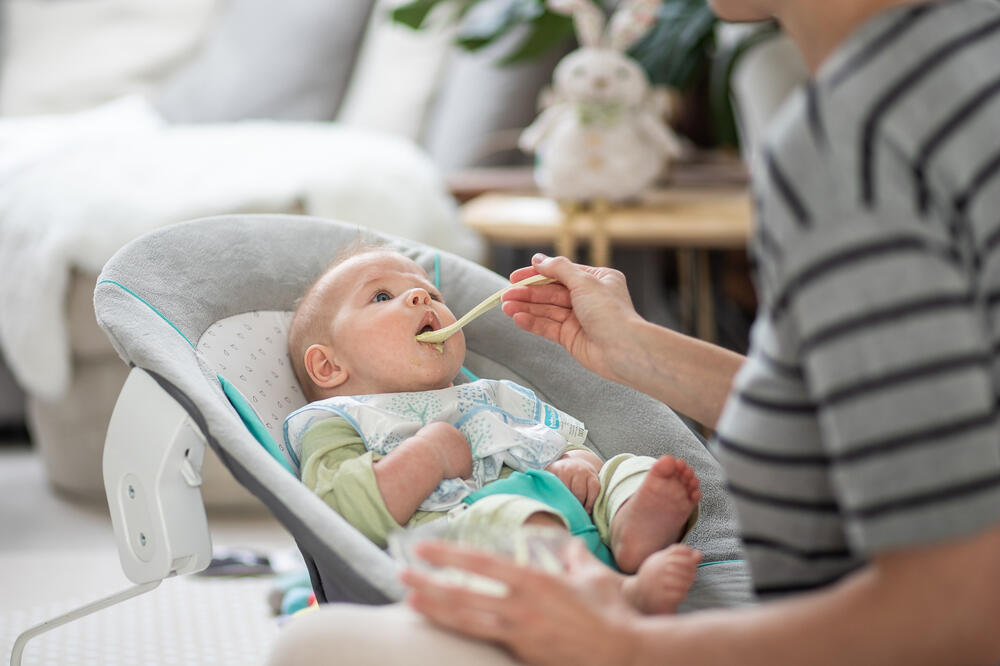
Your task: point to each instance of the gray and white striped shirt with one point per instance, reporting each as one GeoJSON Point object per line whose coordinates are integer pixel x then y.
{"type": "Point", "coordinates": [865, 418]}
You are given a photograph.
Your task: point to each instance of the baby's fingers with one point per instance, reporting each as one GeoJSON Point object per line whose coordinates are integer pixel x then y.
{"type": "Point", "coordinates": [577, 485]}
{"type": "Point", "coordinates": [593, 490]}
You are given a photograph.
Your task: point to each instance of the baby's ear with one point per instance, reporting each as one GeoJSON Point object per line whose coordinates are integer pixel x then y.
{"type": "Point", "coordinates": [322, 367]}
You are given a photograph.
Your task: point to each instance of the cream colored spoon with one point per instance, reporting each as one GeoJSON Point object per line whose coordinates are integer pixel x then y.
{"type": "Point", "coordinates": [443, 334]}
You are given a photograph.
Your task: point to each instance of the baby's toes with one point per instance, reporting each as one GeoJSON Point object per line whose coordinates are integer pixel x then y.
{"type": "Point", "coordinates": [691, 481]}
{"type": "Point", "coordinates": [667, 465]}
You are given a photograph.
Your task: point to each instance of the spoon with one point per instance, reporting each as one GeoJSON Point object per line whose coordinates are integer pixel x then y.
{"type": "Point", "coordinates": [443, 334]}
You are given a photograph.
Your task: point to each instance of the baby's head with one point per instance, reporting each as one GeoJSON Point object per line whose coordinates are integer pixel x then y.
{"type": "Point", "coordinates": [354, 330]}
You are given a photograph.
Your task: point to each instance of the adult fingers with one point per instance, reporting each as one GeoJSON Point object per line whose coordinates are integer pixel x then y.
{"type": "Point", "coordinates": [554, 293]}
{"type": "Point", "coordinates": [467, 612]}
{"type": "Point", "coordinates": [540, 326]}
{"type": "Point", "coordinates": [553, 311]}
{"type": "Point", "coordinates": [565, 271]}
{"type": "Point", "coordinates": [523, 273]}
{"type": "Point", "coordinates": [560, 268]}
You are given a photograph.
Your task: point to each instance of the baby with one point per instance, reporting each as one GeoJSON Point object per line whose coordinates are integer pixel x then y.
{"type": "Point", "coordinates": [388, 441]}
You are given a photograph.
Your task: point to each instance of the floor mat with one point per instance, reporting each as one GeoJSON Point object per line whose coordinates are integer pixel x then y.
{"type": "Point", "coordinates": [187, 620]}
{"type": "Point", "coordinates": [57, 554]}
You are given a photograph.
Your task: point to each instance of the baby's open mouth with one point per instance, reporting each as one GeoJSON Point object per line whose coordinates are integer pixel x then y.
{"type": "Point", "coordinates": [429, 322]}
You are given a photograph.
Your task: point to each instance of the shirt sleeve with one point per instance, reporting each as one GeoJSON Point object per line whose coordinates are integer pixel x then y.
{"type": "Point", "coordinates": [899, 365]}
{"type": "Point", "coordinates": [581, 447]}
{"type": "Point", "coordinates": [337, 467]}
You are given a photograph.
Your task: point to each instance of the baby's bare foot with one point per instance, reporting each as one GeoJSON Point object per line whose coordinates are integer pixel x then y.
{"type": "Point", "coordinates": [663, 580]}
{"type": "Point", "coordinates": [655, 515]}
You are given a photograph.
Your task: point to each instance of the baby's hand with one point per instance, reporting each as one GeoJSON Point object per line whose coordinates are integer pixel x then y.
{"type": "Point", "coordinates": [580, 477]}
{"type": "Point", "coordinates": [450, 447]}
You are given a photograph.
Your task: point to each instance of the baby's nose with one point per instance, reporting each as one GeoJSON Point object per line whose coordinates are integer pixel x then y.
{"type": "Point", "coordinates": [419, 296]}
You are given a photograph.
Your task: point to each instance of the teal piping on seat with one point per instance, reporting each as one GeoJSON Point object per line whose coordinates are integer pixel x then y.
{"type": "Point", "coordinates": [243, 409]}
{"type": "Point", "coordinates": [437, 285]}
{"type": "Point", "coordinates": [705, 564]}
{"type": "Point", "coordinates": [150, 306]}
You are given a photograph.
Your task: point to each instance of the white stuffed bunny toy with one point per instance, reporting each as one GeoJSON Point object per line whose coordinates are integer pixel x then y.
{"type": "Point", "coordinates": [602, 138]}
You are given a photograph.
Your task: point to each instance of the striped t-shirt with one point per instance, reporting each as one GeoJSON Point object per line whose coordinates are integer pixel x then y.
{"type": "Point", "coordinates": [865, 417]}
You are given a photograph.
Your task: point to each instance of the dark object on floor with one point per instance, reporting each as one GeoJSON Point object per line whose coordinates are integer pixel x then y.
{"type": "Point", "coordinates": [14, 434]}
{"type": "Point", "coordinates": [237, 562]}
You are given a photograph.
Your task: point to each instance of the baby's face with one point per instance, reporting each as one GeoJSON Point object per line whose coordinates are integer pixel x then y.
{"type": "Point", "coordinates": [381, 301]}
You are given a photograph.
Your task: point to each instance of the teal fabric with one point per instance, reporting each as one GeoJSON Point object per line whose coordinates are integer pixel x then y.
{"type": "Point", "coordinates": [253, 423]}
{"type": "Point", "coordinates": [548, 489]}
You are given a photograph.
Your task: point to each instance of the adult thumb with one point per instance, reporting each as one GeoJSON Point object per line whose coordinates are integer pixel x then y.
{"type": "Point", "coordinates": [561, 269]}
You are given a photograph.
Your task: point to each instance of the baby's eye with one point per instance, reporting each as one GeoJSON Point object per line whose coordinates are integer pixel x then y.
{"type": "Point", "coordinates": [381, 297]}
{"type": "Point", "coordinates": [437, 297]}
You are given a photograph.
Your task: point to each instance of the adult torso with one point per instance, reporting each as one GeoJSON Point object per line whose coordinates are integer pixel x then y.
{"type": "Point", "coordinates": [864, 418]}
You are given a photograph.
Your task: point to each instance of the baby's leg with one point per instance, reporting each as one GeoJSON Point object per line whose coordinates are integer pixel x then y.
{"type": "Point", "coordinates": [663, 580]}
{"type": "Point", "coordinates": [656, 514]}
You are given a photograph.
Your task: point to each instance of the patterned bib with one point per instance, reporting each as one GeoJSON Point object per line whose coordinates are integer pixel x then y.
{"type": "Point", "coordinates": [505, 423]}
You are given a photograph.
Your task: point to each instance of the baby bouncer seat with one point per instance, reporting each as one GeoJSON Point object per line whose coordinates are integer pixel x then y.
{"type": "Point", "coordinates": [200, 310]}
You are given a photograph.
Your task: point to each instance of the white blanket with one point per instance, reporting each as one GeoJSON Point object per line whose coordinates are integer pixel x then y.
{"type": "Point", "coordinates": [75, 188]}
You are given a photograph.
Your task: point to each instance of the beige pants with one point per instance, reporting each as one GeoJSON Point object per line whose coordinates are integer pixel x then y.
{"type": "Point", "coordinates": [394, 634]}
{"type": "Point", "coordinates": [376, 635]}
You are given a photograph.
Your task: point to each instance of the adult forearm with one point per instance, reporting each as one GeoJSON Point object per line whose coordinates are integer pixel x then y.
{"type": "Point", "coordinates": [692, 376]}
{"type": "Point", "coordinates": [931, 606]}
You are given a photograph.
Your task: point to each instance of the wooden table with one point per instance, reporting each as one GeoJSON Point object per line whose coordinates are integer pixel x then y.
{"type": "Point", "coordinates": [689, 218]}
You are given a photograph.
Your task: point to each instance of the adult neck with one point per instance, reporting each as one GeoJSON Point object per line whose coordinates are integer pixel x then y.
{"type": "Point", "coordinates": [818, 27]}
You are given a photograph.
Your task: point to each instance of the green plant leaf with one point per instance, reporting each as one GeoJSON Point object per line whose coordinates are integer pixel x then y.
{"type": "Point", "coordinates": [547, 32]}
{"type": "Point", "coordinates": [482, 28]}
{"type": "Point", "coordinates": [676, 51]}
{"type": "Point", "coordinates": [413, 14]}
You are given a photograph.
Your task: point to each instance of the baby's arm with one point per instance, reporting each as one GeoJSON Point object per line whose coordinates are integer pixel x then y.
{"type": "Point", "coordinates": [579, 471]}
{"type": "Point", "coordinates": [408, 474]}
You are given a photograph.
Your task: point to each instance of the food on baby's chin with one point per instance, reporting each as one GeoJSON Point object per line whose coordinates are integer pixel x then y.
{"type": "Point", "coordinates": [437, 345]}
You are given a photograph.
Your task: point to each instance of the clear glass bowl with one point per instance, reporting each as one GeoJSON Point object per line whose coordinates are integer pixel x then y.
{"type": "Point", "coordinates": [537, 547]}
